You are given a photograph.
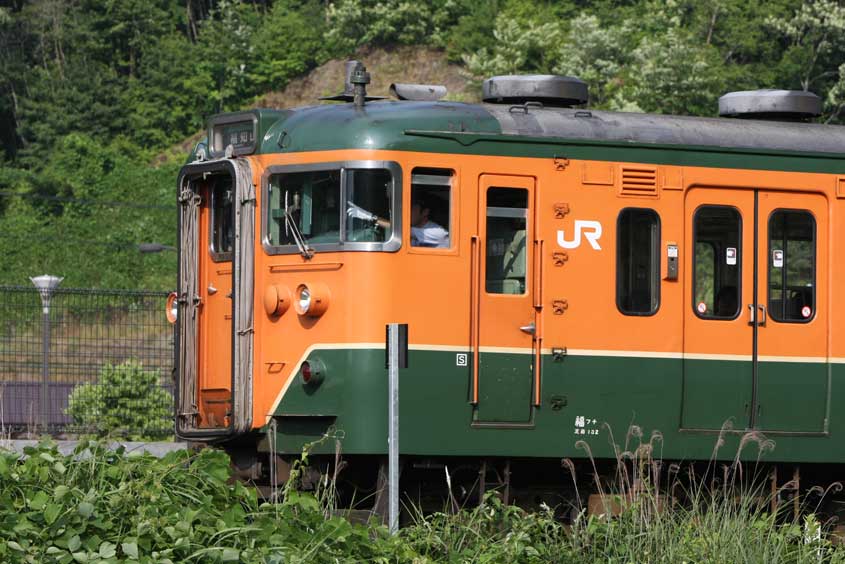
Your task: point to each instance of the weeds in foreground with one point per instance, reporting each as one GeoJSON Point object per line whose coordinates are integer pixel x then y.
{"type": "Point", "coordinates": [103, 506]}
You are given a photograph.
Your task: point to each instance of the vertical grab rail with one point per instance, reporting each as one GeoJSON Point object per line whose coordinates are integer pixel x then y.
{"type": "Point", "coordinates": [475, 298]}
{"type": "Point", "coordinates": [538, 318]}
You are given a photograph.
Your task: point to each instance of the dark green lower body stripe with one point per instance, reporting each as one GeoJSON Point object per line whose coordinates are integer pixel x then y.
{"type": "Point", "coordinates": [679, 405]}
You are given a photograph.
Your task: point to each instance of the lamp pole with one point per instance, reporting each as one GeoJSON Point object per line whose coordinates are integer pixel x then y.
{"type": "Point", "coordinates": [46, 284]}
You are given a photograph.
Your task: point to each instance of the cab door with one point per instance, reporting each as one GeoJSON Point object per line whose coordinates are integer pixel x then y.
{"type": "Point", "coordinates": [505, 336]}
{"type": "Point", "coordinates": [792, 313]}
{"type": "Point", "coordinates": [718, 355]}
{"type": "Point", "coordinates": [217, 234]}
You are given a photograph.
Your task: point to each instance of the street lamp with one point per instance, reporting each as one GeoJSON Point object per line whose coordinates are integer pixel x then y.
{"type": "Point", "coordinates": [46, 284]}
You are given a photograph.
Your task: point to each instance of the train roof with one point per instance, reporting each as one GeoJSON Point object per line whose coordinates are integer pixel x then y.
{"type": "Point", "coordinates": [530, 130]}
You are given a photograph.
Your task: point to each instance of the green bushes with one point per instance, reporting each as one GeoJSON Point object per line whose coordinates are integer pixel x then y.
{"type": "Point", "coordinates": [101, 506]}
{"type": "Point", "coordinates": [125, 399]}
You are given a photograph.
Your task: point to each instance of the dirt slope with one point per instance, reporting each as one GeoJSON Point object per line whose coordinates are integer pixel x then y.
{"type": "Point", "coordinates": [409, 64]}
{"type": "Point", "coordinates": [419, 65]}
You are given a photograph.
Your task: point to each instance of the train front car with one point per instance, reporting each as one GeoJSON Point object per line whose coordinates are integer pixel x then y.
{"type": "Point", "coordinates": [575, 282]}
{"type": "Point", "coordinates": [297, 250]}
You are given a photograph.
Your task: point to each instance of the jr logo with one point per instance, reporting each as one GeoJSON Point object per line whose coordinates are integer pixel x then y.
{"type": "Point", "coordinates": [591, 230]}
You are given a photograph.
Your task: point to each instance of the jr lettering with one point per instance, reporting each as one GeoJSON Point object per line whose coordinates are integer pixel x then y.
{"type": "Point", "coordinates": [591, 230]}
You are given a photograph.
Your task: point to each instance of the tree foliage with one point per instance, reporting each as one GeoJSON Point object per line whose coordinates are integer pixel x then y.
{"type": "Point", "coordinates": [91, 90]}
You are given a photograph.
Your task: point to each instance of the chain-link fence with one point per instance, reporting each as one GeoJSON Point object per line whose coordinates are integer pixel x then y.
{"type": "Point", "coordinates": [93, 361]}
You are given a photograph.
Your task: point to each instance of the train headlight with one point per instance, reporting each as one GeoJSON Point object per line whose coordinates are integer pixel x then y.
{"type": "Point", "coordinates": [172, 307]}
{"type": "Point", "coordinates": [312, 372]}
{"type": "Point", "coordinates": [311, 299]}
{"type": "Point", "coordinates": [304, 299]}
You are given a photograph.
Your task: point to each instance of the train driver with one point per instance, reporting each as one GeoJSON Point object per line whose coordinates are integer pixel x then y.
{"type": "Point", "coordinates": [424, 231]}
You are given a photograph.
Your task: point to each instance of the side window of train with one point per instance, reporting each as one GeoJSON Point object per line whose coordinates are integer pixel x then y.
{"type": "Point", "coordinates": [638, 262]}
{"type": "Point", "coordinates": [792, 266]}
{"type": "Point", "coordinates": [507, 222]}
{"type": "Point", "coordinates": [431, 207]}
{"type": "Point", "coordinates": [222, 218]}
{"type": "Point", "coordinates": [716, 262]}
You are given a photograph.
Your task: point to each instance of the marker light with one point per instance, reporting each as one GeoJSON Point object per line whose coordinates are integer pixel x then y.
{"type": "Point", "coordinates": [276, 300]}
{"type": "Point", "coordinates": [311, 372]}
{"type": "Point", "coordinates": [311, 299]}
{"type": "Point", "coordinates": [172, 307]}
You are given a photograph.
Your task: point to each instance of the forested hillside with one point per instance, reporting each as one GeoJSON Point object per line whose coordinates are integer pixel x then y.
{"type": "Point", "coordinates": [93, 92]}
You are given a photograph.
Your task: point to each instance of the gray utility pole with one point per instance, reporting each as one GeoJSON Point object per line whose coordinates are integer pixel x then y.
{"type": "Point", "coordinates": [397, 357]}
{"type": "Point", "coordinates": [46, 284]}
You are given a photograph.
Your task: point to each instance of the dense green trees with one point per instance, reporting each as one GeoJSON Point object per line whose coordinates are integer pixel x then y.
{"type": "Point", "coordinates": [92, 90]}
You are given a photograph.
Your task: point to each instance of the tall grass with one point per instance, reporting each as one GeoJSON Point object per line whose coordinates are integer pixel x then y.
{"type": "Point", "coordinates": [97, 505]}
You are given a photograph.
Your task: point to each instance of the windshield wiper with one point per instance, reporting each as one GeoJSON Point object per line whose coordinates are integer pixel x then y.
{"type": "Point", "coordinates": [291, 229]}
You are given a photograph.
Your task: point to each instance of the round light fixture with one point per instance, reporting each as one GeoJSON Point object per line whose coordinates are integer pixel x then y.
{"type": "Point", "coordinates": [172, 307]}
{"type": "Point", "coordinates": [312, 372]}
{"type": "Point", "coordinates": [311, 299]}
{"type": "Point", "coordinates": [276, 300]}
{"type": "Point", "coordinates": [304, 299]}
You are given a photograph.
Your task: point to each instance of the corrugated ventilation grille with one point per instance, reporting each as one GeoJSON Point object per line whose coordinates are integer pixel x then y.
{"type": "Point", "coordinates": [638, 181]}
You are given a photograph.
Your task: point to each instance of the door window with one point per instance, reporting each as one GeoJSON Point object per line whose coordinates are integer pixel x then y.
{"type": "Point", "coordinates": [222, 218]}
{"type": "Point", "coordinates": [637, 262]}
{"type": "Point", "coordinates": [792, 266]}
{"type": "Point", "coordinates": [507, 222]}
{"type": "Point", "coordinates": [716, 262]}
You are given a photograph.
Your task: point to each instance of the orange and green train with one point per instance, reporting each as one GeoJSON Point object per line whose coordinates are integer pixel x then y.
{"type": "Point", "coordinates": [599, 270]}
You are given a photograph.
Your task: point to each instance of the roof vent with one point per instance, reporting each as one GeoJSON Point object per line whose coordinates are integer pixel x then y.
{"type": "Point", "coordinates": [548, 89]}
{"type": "Point", "coordinates": [418, 92]}
{"type": "Point", "coordinates": [783, 105]}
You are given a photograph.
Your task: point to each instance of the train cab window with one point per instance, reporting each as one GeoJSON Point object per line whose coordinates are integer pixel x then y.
{"type": "Point", "coordinates": [507, 224]}
{"type": "Point", "coordinates": [329, 210]}
{"type": "Point", "coordinates": [431, 199]}
{"type": "Point", "coordinates": [222, 217]}
{"type": "Point", "coordinates": [305, 206]}
{"type": "Point", "coordinates": [368, 201]}
{"type": "Point", "coordinates": [792, 266]}
{"type": "Point", "coordinates": [638, 262]}
{"type": "Point", "coordinates": [716, 262]}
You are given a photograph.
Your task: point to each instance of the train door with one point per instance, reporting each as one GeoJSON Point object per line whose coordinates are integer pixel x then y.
{"type": "Point", "coordinates": [755, 327]}
{"type": "Point", "coordinates": [505, 321]}
{"type": "Point", "coordinates": [792, 324]}
{"type": "Point", "coordinates": [217, 232]}
{"type": "Point", "coordinates": [718, 279]}
{"type": "Point", "coordinates": [215, 297]}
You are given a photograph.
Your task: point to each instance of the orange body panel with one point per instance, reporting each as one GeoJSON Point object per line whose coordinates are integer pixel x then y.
{"type": "Point", "coordinates": [432, 289]}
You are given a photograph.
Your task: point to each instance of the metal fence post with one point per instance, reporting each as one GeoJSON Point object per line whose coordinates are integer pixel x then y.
{"type": "Point", "coordinates": [46, 284]}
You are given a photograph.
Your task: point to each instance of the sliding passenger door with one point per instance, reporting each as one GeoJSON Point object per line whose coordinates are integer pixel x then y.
{"type": "Point", "coordinates": [792, 313]}
{"type": "Point", "coordinates": [718, 282]}
{"type": "Point", "coordinates": [756, 328]}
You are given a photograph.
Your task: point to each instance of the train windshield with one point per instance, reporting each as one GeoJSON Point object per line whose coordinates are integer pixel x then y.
{"type": "Point", "coordinates": [320, 209]}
